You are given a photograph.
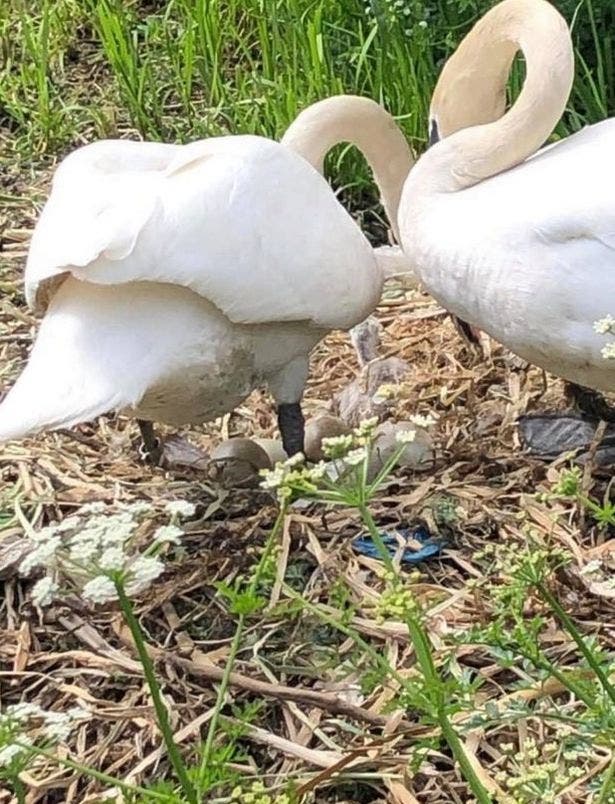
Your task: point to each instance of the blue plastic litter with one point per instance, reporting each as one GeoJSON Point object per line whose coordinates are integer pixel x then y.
{"type": "Point", "coordinates": [431, 547]}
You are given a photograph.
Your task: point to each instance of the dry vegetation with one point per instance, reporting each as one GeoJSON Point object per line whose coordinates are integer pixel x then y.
{"type": "Point", "coordinates": [325, 701]}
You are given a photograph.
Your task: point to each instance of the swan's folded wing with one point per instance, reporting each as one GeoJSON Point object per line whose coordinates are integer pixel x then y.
{"type": "Point", "coordinates": [240, 220]}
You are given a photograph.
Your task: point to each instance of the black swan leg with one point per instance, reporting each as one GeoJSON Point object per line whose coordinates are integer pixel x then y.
{"type": "Point", "coordinates": [151, 449]}
{"type": "Point", "coordinates": [292, 427]}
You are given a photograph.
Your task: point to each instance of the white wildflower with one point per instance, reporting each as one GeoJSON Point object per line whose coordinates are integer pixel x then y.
{"type": "Point", "coordinates": [58, 725]}
{"type": "Point", "coordinates": [366, 427]}
{"type": "Point", "coordinates": [44, 534]}
{"type": "Point", "coordinates": [405, 436]}
{"type": "Point", "coordinates": [113, 558]}
{"type": "Point", "coordinates": [608, 351]}
{"type": "Point", "coordinates": [93, 508]}
{"type": "Point", "coordinates": [336, 446]}
{"type": "Point", "coordinates": [295, 460]}
{"type": "Point", "coordinates": [23, 711]}
{"type": "Point", "coordinates": [318, 471]}
{"type": "Point", "coordinates": [355, 456]}
{"type": "Point", "coordinates": [42, 556]}
{"type": "Point", "coordinates": [273, 478]}
{"type": "Point", "coordinates": [44, 591]}
{"type": "Point", "coordinates": [422, 421]}
{"type": "Point", "coordinates": [70, 523]}
{"type": "Point", "coordinates": [9, 752]}
{"type": "Point", "coordinates": [100, 590]}
{"type": "Point", "coordinates": [180, 508]}
{"type": "Point", "coordinates": [169, 534]}
{"type": "Point", "coordinates": [145, 569]}
{"type": "Point", "coordinates": [605, 325]}
{"type": "Point", "coordinates": [140, 508]}
{"type": "Point", "coordinates": [83, 551]}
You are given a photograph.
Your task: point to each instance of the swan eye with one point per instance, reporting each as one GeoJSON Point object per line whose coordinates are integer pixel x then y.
{"type": "Point", "coordinates": [434, 134]}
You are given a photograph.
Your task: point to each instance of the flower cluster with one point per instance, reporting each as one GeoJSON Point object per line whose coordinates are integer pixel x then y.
{"type": "Point", "coordinates": [257, 794]}
{"type": "Point", "coordinates": [18, 722]}
{"type": "Point", "coordinates": [97, 548]}
{"type": "Point", "coordinates": [539, 770]}
{"type": "Point", "coordinates": [606, 326]}
{"type": "Point", "coordinates": [349, 458]}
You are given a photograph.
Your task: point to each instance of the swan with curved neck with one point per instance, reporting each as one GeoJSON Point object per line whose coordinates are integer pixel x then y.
{"type": "Point", "coordinates": [174, 279]}
{"type": "Point", "coordinates": [516, 241]}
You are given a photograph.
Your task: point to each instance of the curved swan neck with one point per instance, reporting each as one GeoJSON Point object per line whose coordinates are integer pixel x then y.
{"type": "Point", "coordinates": [540, 32]}
{"type": "Point", "coordinates": [365, 124]}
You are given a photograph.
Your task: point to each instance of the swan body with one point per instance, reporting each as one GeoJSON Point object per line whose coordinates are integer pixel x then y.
{"type": "Point", "coordinates": [516, 241]}
{"type": "Point", "coordinates": [174, 279]}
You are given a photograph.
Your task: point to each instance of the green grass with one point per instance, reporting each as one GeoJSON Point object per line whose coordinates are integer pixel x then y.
{"type": "Point", "coordinates": [74, 70]}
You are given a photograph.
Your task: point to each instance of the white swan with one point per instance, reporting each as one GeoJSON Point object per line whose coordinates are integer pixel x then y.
{"type": "Point", "coordinates": [523, 248]}
{"type": "Point", "coordinates": [174, 279]}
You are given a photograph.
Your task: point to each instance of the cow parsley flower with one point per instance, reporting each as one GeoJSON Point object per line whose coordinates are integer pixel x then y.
{"type": "Point", "coordinates": [605, 325]}
{"type": "Point", "coordinates": [405, 436]}
{"type": "Point", "coordinates": [355, 456]}
{"type": "Point", "coordinates": [113, 558]}
{"type": "Point", "coordinates": [180, 508]}
{"type": "Point", "coordinates": [143, 571]}
{"type": "Point", "coordinates": [337, 446]}
{"type": "Point", "coordinates": [44, 591]}
{"type": "Point", "coordinates": [168, 534]}
{"type": "Point", "coordinates": [608, 351]}
{"type": "Point", "coordinates": [100, 589]}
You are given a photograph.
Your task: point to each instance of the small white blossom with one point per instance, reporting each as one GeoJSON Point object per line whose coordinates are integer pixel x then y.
{"type": "Point", "coordinates": [23, 711]}
{"type": "Point", "coordinates": [608, 351]}
{"type": "Point", "coordinates": [83, 551]}
{"type": "Point", "coordinates": [100, 590]}
{"type": "Point", "coordinates": [180, 508]}
{"type": "Point", "coordinates": [318, 471]}
{"type": "Point", "coordinates": [405, 436]}
{"type": "Point", "coordinates": [44, 591]}
{"type": "Point", "coordinates": [113, 558]}
{"type": "Point", "coordinates": [422, 421]}
{"type": "Point", "coordinates": [144, 570]}
{"type": "Point", "coordinates": [295, 460]}
{"type": "Point", "coordinates": [366, 427]}
{"type": "Point", "coordinates": [273, 478]}
{"type": "Point", "coordinates": [42, 556]}
{"type": "Point", "coordinates": [93, 508]}
{"type": "Point", "coordinates": [9, 752]}
{"type": "Point", "coordinates": [140, 508]}
{"type": "Point", "coordinates": [58, 726]}
{"type": "Point", "coordinates": [336, 446]}
{"type": "Point", "coordinates": [355, 456]}
{"type": "Point", "coordinates": [70, 523]}
{"type": "Point", "coordinates": [169, 534]}
{"type": "Point", "coordinates": [605, 325]}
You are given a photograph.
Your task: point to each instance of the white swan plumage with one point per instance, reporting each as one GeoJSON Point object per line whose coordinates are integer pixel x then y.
{"type": "Point", "coordinates": [174, 279]}
{"type": "Point", "coordinates": [518, 242]}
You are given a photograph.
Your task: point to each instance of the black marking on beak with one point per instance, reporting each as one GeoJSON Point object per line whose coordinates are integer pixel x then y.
{"type": "Point", "coordinates": [434, 134]}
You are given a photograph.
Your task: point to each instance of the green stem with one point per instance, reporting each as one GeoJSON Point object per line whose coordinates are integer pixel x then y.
{"type": "Point", "coordinates": [20, 790]}
{"type": "Point", "coordinates": [574, 632]}
{"type": "Point", "coordinates": [422, 648]}
{"type": "Point", "coordinates": [235, 645]}
{"type": "Point", "coordinates": [608, 785]}
{"type": "Point", "coordinates": [154, 688]}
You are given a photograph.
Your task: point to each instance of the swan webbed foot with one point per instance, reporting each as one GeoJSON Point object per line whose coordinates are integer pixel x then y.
{"type": "Point", "coordinates": [591, 404]}
{"type": "Point", "coordinates": [292, 427]}
{"type": "Point", "coordinates": [150, 450]}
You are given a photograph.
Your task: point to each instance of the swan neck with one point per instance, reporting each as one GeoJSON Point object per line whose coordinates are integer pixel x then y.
{"type": "Point", "coordinates": [366, 125]}
{"type": "Point", "coordinates": [536, 29]}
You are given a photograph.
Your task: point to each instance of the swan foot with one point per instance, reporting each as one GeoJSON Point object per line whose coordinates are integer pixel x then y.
{"type": "Point", "coordinates": [590, 403]}
{"type": "Point", "coordinates": [151, 450]}
{"type": "Point", "coordinates": [292, 428]}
